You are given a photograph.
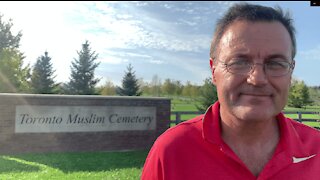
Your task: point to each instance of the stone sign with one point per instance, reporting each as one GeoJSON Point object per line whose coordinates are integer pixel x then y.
{"type": "Point", "coordinates": [35, 119]}
{"type": "Point", "coordinates": [75, 123]}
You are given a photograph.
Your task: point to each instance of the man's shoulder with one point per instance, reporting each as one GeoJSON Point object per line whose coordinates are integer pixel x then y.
{"type": "Point", "coordinates": [185, 127]}
{"type": "Point", "coordinates": [182, 132]}
{"type": "Point", "coordinates": [305, 130]}
{"type": "Point", "coordinates": [309, 136]}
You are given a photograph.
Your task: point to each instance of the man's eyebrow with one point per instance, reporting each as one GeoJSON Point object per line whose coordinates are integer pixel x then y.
{"type": "Point", "coordinates": [281, 56]}
{"type": "Point", "coordinates": [248, 56]}
{"type": "Point", "coordinates": [240, 55]}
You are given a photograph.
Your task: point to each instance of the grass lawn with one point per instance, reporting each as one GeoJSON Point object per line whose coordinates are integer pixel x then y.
{"type": "Point", "coordinates": [313, 124]}
{"type": "Point", "coordinates": [307, 109]}
{"type": "Point", "coordinates": [84, 165]}
{"type": "Point", "coordinates": [183, 104]}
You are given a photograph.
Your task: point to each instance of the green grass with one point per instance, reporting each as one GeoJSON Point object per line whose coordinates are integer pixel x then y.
{"type": "Point", "coordinates": [184, 106]}
{"type": "Point", "coordinates": [304, 116]}
{"type": "Point", "coordinates": [85, 165]}
{"type": "Point", "coordinates": [312, 124]}
{"type": "Point", "coordinates": [306, 109]}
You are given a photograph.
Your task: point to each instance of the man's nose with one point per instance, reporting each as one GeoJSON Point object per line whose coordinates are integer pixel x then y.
{"type": "Point", "coordinates": [257, 75]}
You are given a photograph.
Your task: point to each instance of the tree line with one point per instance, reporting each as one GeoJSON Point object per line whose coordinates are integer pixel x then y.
{"type": "Point", "coordinates": [17, 78]}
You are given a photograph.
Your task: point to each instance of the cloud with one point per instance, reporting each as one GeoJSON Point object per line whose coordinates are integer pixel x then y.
{"type": "Point", "coordinates": [119, 32]}
{"type": "Point", "coordinates": [138, 29]}
{"type": "Point", "coordinates": [311, 54]}
{"type": "Point", "coordinates": [108, 26]}
{"type": "Point", "coordinates": [226, 3]}
{"type": "Point", "coordinates": [120, 57]}
{"type": "Point", "coordinates": [155, 61]}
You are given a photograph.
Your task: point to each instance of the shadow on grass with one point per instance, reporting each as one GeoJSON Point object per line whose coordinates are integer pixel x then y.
{"type": "Point", "coordinates": [9, 166]}
{"type": "Point", "coordinates": [88, 161]}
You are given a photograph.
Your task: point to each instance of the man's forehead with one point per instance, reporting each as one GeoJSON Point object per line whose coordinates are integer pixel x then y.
{"type": "Point", "coordinates": [246, 29]}
{"type": "Point", "coordinates": [244, 36]}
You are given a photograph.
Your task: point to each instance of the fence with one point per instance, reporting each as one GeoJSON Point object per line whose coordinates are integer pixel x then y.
{"type": "Point", "coordinates": [178, 115]}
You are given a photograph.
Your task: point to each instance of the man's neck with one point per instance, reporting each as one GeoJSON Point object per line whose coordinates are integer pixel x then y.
{"type": "Point", "coordinates": [253, 142]}
{"type": "Point", "coordinates": [250, 133]}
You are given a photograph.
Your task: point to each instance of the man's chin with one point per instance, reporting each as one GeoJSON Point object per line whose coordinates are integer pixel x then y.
{"type": "Point", "coordinates": [250, 113]}
{"type": "Point", "coordinates": [255, 101]}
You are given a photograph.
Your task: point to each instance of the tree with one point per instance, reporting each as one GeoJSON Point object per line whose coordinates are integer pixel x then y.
{"type": "Point", "coordinates": [62, 88]}
{"type": "Point", "coordinates": [108, 88]}
{"type": "Point", "coordinates": [195, 91]}
{"type": "Point", "coordinates": [155, 85]}
{"type": "Point", "coordinates": [168, 87]}
{"type": "Point", "coordinates": [208, 95]}
{"type": "Point", "coordinates": [14, 77]}
{"type": "Point", "coordinates": [314, 93]}
{"type": "Point", "coordinates": [7, 39]}
{"type": "Point", "coordinates": [130, 85]}
{"type": "Point", "coordinates": [190, 90]}
{"type": "Point", "coordinates": [42, 78]}
{"type": "Point", "coordinates": [178, 87]}
{"type": "Point", "coordinates": [187, 89]}
{"type": "Point", "coordinates": [82, 79]}
{"type": "Point", "coordinates": [298, 94]}
{"type": "Point", "coordinates": [144, 87]}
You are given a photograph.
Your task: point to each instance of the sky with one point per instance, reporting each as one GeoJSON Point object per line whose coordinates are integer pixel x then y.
{"type": "Point", "coordinates": [164, 39]}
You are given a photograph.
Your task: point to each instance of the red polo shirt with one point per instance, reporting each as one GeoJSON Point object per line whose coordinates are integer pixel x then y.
{"type": "Point", "coordinates": [195, 150]}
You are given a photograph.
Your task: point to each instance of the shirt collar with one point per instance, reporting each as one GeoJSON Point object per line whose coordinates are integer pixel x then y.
{"type": "Point", "coordinates": [211, 128]}
{"type": "Point", "coordinates": [289, 138]}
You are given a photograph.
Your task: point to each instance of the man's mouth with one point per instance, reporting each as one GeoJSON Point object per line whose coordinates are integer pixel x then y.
{"type": "Point", "coordinates": [255, 94]}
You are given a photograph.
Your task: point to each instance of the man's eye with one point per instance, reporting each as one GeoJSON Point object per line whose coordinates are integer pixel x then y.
{"type": "Point", "coordinates": [239, 63]}
{"type": "Point", "coordinates": [277, 64]}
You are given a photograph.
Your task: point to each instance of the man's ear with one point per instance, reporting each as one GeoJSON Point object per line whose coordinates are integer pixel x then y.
{"type": "Point", "coordinates": [293, 64]}
{"type": "Point", "coordinates": [213, 68]}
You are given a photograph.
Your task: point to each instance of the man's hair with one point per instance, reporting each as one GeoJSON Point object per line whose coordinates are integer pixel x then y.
{"type": "Point", "coordinates": [252, 13]}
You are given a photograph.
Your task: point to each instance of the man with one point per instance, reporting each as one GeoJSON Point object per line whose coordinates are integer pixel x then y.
{"type": "Point", "coordinates": [244, 135]}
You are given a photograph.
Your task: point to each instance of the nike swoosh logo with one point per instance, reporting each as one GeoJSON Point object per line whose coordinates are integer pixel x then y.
{"type": "Point", "coordinates": [297, 160]}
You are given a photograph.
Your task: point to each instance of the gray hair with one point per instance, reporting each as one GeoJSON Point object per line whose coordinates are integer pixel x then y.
{"type": "Point", "coordinates": [253, 13]}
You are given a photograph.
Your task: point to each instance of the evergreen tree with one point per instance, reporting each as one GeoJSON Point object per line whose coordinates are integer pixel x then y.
{"type": "Point", "coordinates": [7, 39]}
{"type": "Point", "coordinates": [14, 77]}
{"type": "Point", "coordinates": [130, 85]}
{"type": "Point", "coordinates": [82, 79]}
{"type": "Point", "coordinates": [208, 93]}
{"type": "Point", "coordinates": [42, 79]}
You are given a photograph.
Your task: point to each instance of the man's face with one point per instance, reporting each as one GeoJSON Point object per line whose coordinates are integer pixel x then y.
{"type": "Point", "coordinates": [254, 96]}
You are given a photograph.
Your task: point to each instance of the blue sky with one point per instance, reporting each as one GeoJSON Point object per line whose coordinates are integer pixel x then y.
{"type": "Point", "coordinates": [167, 39]}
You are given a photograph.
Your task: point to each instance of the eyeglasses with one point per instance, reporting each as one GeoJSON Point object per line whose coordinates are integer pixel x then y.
{"type": "Point", "coordinates": [271, 68]}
